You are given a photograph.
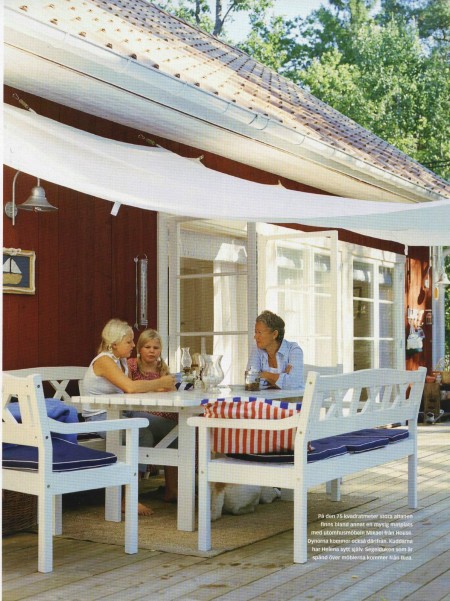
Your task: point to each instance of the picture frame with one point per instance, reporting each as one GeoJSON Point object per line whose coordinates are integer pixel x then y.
{"type": "Point", "coordinates": [19, 271]}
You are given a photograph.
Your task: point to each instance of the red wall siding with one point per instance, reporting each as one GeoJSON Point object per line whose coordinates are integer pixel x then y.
{"type": "Point", "coordinates": [85, 272]}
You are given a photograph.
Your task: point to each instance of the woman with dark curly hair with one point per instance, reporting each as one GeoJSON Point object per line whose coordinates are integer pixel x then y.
{"type": "Point", "coordinates": [279, 362]}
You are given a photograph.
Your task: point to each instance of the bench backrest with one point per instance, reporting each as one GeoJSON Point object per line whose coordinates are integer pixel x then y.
{"type": "Point", "coordinates": [59, 377]}
{"type": "Point", "coordinates": [362, 399]}
{"type": "Point", "coordinates": [323, 370]}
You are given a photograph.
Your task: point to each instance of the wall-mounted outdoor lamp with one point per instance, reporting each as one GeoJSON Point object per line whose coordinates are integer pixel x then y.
{"type": "Point", "coordinates": [35, 202]}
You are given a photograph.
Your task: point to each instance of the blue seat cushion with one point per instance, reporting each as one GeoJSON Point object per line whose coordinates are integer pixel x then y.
{"type": "Point", "coordinates": [325, 448]}
{"type": "Point", "coordinates": [333, 446]}
{"type": "Point", "coordinates": [392, 434]}
{"type": "Point", "coordinates": [360, 443]}
{"type": "Point", "coordinates": [321, 449]}
{"type": "Point", "coordinates": [67, 456]}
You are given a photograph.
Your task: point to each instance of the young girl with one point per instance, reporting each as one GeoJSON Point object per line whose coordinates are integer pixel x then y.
{"type": "Point", "coordinates": [149, 366]}
{"type": "Point", "coordinates": [108, 373]}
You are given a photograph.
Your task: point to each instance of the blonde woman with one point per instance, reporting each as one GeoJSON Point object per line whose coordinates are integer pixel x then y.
{"type": "Point", "coordinates": [150, 366]}
{"type": "Point", "coordinates": [108, 373]}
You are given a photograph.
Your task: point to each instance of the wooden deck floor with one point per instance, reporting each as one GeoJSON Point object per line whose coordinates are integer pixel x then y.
{"type": "Point", "coordinates": [264, 571]}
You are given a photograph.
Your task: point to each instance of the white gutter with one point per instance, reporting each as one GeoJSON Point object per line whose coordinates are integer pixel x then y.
{"type": "Point", "coordinates": [73, 52]}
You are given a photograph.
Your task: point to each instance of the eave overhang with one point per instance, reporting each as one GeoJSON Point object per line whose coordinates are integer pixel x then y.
{"type": "Point", "coordinates": [45, 61]}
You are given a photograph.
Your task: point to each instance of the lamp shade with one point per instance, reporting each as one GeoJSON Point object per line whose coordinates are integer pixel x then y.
{"type": "Point", "coordinates": [37, 201]}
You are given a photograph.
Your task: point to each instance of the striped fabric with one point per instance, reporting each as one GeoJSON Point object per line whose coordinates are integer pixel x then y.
{"type": "Point", "coordinates": [228, 440]}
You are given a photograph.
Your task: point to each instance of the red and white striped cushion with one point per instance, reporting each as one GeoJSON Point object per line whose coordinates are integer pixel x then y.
{"type": "Point", "coordinates": [228, 440]}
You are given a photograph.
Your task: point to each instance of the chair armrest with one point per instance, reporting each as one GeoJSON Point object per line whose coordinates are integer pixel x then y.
{"type": "Point", "coordinates": [132, 423]}
{"type": "Point", "coordinates": [244, 424]}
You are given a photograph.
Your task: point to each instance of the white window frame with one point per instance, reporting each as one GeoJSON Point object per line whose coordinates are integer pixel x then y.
{"type": "Point", "coordinates": [377, 258]}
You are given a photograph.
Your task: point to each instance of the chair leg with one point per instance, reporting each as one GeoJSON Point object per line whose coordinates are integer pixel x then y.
{"type": "Point", "coordinates": [113, 504]}
{"type": "Point", "coordinates": [204, 491]}
{"type": "Point", "coordinates": [204, 515]}
{"type": "Point", "coordinates": [412, 481]}
{"type": "Point", "coordinates": [45, 532]}
{"type": "Point", "coordinates": [57, 515]}
{"type": "Point", "coordinates": [300, 523]}
{"type": "Point", "coordinates": [131, 517]}
{"type": "Point", "coordinates": [335, 489]}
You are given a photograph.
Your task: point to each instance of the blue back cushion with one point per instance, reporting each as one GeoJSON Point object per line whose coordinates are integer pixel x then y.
{"type": "Point", "coordinates": [57, 410]}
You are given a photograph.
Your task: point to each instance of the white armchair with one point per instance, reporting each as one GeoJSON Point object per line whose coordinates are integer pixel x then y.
{"type": "Point", "coordinates": [38, 461]}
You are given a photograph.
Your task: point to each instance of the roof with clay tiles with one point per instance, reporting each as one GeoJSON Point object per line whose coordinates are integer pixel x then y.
{"type": "Point", "coordinates": [144, 32]}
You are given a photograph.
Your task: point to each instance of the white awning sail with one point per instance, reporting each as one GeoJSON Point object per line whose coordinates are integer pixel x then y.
{"type": "Point", "coordinates": [159, 180]}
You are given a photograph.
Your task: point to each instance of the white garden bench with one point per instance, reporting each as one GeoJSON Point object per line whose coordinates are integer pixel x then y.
{"type": "Point", "coordinates": [332, 405]}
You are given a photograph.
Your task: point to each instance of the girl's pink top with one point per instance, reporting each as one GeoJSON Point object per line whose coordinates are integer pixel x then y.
{"type": "Point", "coordinates": [136, 374]}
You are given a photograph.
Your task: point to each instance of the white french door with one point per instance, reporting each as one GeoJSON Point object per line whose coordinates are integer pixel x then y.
{"type": "Point", "coordinates": [298, 279]}
{"type": "Point", "coordinates": [207, 293]}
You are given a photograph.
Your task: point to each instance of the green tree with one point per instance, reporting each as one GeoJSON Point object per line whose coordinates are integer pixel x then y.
{"type": "Point", "coordinates": [432, 18]}
{"type": "Point", "coordinates": [273, 41]}
{"type": "Point", "coordinates": [392, 87]}
{"type": "Point", "coordinates": [197, 12]}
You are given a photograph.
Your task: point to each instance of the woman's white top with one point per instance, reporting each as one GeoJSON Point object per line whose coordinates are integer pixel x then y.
{"type": "Point", "coordinates": [98, 385]}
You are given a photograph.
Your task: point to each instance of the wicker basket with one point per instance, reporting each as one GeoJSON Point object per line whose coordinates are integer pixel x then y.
{"type": "Point", "coordinates": [19, 511]}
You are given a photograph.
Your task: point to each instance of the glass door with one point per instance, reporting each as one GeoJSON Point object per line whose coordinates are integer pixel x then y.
{"type": "Point", "coordinates": [298, 280]}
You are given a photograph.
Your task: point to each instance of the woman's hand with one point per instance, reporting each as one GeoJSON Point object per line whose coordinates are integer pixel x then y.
{"type": "Point", "coordinates": [166, 382]}
{"type": "Point", "coordinates": [270, 377]}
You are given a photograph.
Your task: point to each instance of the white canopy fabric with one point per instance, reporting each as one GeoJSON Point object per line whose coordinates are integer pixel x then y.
{"type": "Point", "coordinates": [158, 180]}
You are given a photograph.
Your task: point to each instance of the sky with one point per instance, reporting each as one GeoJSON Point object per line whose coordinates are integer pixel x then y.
{"type": "Point", "coordinates": [288, 8]}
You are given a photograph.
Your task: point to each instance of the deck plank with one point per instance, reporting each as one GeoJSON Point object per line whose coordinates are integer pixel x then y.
{"type": "Point", "coordinates": [264, 570]}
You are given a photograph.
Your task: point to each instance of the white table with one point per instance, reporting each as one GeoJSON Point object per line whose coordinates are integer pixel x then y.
{"type": "Point", "coordinates": [186, 403]}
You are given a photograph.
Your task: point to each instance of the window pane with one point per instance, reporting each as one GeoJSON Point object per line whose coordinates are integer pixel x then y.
{"type": "Point", "coordinates": [323, 315]}
{"type": "Point", "coordinates": [362, 280]}
{"type": "Point", "coordinates": [387, 353]}
{"type": "Point", "coordinates": [386, 279]}
{"type": "Point", "coordinates": [292, 306]}
{"type": "Point", "coordinates": [362, 319]}
{"type": "Point", "coordinates": [323, 352]}
{"type": "Point", "coordinates": [363, 351]}
{"type": "Point", "coordinates": [386, 320]}
{"type": "Point", "coordinates": [197, 301]}
{"type": "Point", "coordinates": [195, 266]}
{"type": "Point", "coordinates": [216, 303]}
{"type": "Point", "coordinates": [289, 266]}
{"type": "Point", "coordinates": [322, 271]}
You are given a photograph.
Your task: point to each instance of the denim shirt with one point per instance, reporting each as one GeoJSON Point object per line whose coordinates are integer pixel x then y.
{"type": "Point", "coordinates": [289, 353]}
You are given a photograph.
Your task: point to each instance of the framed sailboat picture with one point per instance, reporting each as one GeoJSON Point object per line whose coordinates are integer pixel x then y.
{"type": "Point", "coordinates": [18, 271]}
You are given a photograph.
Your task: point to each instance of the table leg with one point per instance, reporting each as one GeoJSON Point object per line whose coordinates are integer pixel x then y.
{"type": "Point", "coordinates": [113, 494]}
{"type": "Point", "coordinates": [186, 474]}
